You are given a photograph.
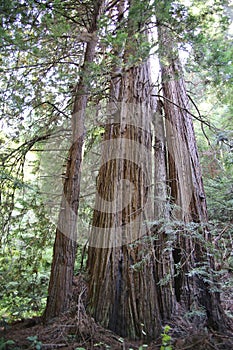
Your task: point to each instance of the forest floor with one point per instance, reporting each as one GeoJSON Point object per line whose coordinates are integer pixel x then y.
{"type": "Point", "coordinates": [76, 330]}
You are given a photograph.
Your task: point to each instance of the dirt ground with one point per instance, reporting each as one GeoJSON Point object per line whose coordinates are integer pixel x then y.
{"type": "Point", "coordinates": [73, 333]}
{"type": "Point", "coordinates": [76, 330]}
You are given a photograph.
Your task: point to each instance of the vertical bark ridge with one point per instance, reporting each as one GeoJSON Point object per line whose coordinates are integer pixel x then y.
{"type": "Point", "coordinates": [64, 251]}
{"type": "Point", "coordinates": [122, 290]}
{"type": "Point", "coordinates": [188, 196]}
{"type": "Point", "coordinates": [164, 269]}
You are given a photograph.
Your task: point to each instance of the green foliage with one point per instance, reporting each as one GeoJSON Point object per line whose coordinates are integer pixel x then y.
{"type": "Point", "coordinates": [34, 82]}
{"type": "Point", "coordinates": [36, 344]}
{"type": "Point", "coordinates": [220, 205]}
{"type": "Point", "coordinates": [166, 339]}
{"type": "Point", "coordinates": [24, 266]}
{"type": "Point", "coordinates": [196, 313]}
{"type": "Point", "coordinates": [4, 343]}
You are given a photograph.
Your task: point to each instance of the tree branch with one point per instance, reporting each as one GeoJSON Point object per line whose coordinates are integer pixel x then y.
{"type": "Point", "coordinates": [199, 118]}
{"type": "Point", "coordinates": [199, 114]}
{"type": "Point", "coordinates": [52, 105]}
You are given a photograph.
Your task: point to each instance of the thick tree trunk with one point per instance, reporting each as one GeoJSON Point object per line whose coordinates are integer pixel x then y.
{"type": "Point", "coordinates": [187, 194]}
{"type": "Point", "coordinates": [64, 253]}
{"type": "Point", "coordinates": [122, 289]}
{"type": "Point", "coordinates": [137, 276]}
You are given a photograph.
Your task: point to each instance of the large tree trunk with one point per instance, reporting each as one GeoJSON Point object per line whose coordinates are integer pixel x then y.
{"type": "Point", "coordinates": [64, 253]}
{"type": "Point", "coordinates": [138, 275]}
{"type": "Point", "coordinates": [121, 256]}
{"type": "Point", "coordinates": [121, 260]}
{"type": "Point", "coordinates": [187, 193]}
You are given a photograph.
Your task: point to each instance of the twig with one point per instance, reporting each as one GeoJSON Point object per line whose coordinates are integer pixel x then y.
{"type": "Point", "coordinates": [199, 114]}
{"type": "Point", "coordinates": [111, 5]}
{"type": "Point", "coordinates": [53, 346]}
{"type": "Point", "coordinates": [186, 110]}
{"type": "Point", "coordinates": [192, 345]}
{"type": "Point", "coordinates": [221, 233]}
{"type": "Point", "coordinates": [52, 105]}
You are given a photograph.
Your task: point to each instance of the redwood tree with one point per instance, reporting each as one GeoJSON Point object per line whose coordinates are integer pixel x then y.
{"type": "Point", "coordinates": [121, 264]}
{"type": "Point", "coordinates": [187, 195]}
{"type": "Point", "coordinates": [64, 253]}
{"type": "Point", "coordinates": [147, 256]}
{"type": "Point", "coordinates": [142, 275]}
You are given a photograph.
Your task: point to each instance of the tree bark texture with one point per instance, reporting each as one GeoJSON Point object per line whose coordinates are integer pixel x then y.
{"type": "Point", "coordinates": [122, 288]}
{"type": "Point", "coordinates": [187, 196]}
{"type": "Point", "coordinates": [64, 252]}
{"type": "Point", "coordinates": [164, 269]}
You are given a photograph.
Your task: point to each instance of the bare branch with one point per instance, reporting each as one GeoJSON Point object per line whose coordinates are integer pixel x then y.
{"type": "Point", "coordinates": [199, 117]}
{"type": "Point", "coordinates": [199, 114]}
{"type": "Point", "coordinates": [52, 105]}
{"type": "Point", "coordinates": [111, 5]}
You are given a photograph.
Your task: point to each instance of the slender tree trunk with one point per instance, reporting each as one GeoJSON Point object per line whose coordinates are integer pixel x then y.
{"type": "Point", "coordinates": [164, 270]}
{"type": "Point", "coordinates": [64, 253]}
{"type": "Point", "coordinates": [187, 193]}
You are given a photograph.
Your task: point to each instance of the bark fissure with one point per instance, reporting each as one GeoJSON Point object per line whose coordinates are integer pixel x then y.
{"type": "Point", "coordinates": [64, 252]}
{"type": "Point", "coordinates": [188, 198]}
{"type": "Point", "coordinates": [128, 297]}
